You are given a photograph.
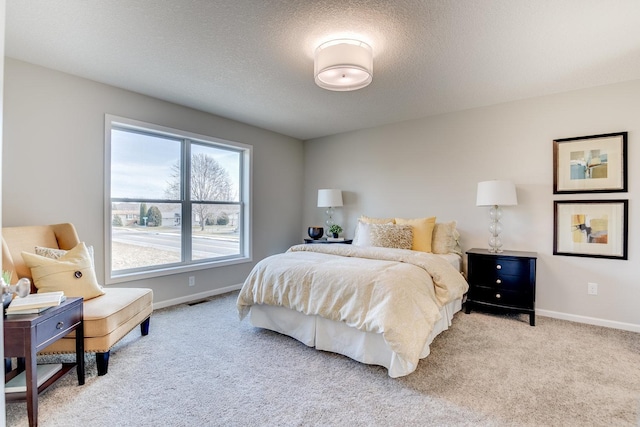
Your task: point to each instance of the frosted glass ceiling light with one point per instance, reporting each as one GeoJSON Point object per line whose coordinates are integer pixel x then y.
{"type": "Point", "coordinates": [496, 194]}
{"type": "Point", "coordinates": [343, 65]}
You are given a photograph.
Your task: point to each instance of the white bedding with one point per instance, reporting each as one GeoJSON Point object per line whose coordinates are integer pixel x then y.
{"type": "Point", "coordinates": [393, 300]}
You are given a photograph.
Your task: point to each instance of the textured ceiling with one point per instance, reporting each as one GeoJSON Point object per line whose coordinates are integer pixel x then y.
{"type": "Point", "coordinates": [252, 61]}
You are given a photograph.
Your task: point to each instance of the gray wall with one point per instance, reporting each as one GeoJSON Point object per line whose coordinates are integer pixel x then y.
{"type": "Point", "coordinates": [431, 167]}
{"type": "Point", "coordinates": [53, 167]}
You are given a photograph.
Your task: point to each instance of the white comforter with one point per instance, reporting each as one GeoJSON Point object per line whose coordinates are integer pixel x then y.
{"type": "Point", "coordinates": [397, 293]}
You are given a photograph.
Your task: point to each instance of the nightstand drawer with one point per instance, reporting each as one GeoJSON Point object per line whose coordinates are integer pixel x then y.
{"type": "Point", "coordinates": [503, 281]}
{"type": "Point", "coordinates": [492, 268]}
{"type": "Point", "coordinates": [58, 325]}
{"type": "Point", "coordinates": [501, 297]}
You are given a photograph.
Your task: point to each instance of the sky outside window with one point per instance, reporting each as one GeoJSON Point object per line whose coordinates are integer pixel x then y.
{"type": "Point", "coordinates": [141, 165]}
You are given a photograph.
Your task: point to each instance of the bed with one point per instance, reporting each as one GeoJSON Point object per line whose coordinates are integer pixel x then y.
{"type": "Point", "coordinates": [376, 304]}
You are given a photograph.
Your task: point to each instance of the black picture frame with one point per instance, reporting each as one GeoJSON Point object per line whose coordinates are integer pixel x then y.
{"type": "Point", "coordinates": [591, 228]}
{"type": "Point", "coordinates": [590, 164]}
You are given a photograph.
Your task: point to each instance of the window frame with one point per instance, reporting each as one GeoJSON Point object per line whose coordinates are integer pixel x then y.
{"type": "Point", "coordinates": [245, 196]}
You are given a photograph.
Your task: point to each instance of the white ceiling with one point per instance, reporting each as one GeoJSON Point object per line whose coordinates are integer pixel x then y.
{"type": "Point", "coordinates": [252, 61]}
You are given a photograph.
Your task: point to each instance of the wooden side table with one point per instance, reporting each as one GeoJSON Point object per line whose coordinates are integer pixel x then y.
{"type": "Point", "coordinates": [26, 334]}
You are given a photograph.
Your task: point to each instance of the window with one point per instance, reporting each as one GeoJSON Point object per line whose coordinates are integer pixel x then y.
{"type": "Point", "coordinates": [176, 201]}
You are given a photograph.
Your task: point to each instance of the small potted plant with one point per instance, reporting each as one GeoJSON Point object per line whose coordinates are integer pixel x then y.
{"type": "Point", "coordinates": [335, 230]}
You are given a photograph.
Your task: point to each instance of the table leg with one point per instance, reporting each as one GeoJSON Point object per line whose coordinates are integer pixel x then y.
{"type": "Point", "coordinates": [31, 381]}
{"type": "Point", "coordinates": [532, 319]}
{"type": "Point", "coordinates": [80, 352]}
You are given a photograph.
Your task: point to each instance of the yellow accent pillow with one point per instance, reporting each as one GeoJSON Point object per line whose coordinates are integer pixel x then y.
{"type": "Point", "coordinates": [72, 273]}
{"type": "Point", "coordinates": [422, 232]}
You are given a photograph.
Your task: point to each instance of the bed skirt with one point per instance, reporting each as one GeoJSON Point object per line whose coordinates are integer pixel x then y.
{"type": "Point", "coordinates": [337, 337]}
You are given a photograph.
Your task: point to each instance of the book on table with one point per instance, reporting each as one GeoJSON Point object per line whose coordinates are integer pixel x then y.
{"type": "Point", "coordinates": [35, 303]}
{"type": "Point", "coordinates": [18, 383]}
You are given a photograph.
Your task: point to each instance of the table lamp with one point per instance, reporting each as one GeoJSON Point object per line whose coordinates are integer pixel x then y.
{"type": "Point", "coordinates": [329, 198]}
{"type": "Point", "coordinates": [495, 194]}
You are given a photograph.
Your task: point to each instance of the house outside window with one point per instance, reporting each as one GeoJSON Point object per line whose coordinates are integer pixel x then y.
{"type": "Point", "coordinates": [177, 201]}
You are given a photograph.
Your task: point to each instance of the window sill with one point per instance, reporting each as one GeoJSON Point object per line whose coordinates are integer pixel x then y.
{"type": "Point", "coordinates": [161, 272]}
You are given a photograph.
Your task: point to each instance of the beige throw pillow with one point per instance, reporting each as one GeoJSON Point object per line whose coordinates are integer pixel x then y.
{"type": "Point", "coordinates": [390, 236]}
{"type": "Point", "coordinates": [72, 273]}
{"type": "Point", "coordinates": [445, 238]}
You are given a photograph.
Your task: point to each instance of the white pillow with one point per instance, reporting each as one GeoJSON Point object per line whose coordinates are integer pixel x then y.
{"type": "Point", "coordinates": [361, 237]}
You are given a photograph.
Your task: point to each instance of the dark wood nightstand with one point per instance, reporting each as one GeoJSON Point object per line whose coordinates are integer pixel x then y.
{"type": "Point", "coordinates": [505, 280]}
{"type": "Point", "coordinates": [26, 334]}
{"type": "Point", "coordinates": [324, 240]}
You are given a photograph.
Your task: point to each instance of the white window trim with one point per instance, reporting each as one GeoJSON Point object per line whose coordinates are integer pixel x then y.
{"type": "Point", "coordinates": [247, 184]}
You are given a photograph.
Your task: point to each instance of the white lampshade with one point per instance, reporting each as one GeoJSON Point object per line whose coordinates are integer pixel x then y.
{"type": "Point", "coordinates": [500, 193]}
{"type": "Point", "coordinates": [329, 198]}
{"type": "Point", "coordinates": [343, 65]}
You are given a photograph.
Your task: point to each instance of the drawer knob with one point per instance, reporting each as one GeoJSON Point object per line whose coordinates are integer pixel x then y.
{"type": "Point", "coordinates": [498, 281]}
{"type": "Point", "coordinates": [498, 267]}
{"type": "Point", "coordinates": [59, 325]}
{"type": "Point", "coordinates": [498, 296]}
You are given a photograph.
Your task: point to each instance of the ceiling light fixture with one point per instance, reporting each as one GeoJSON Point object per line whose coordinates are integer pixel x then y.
{"type": "Point", "coordinates": [343, 65]}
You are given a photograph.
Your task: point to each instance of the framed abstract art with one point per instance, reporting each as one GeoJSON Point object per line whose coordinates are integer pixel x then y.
{"type": "Point", "coordinates": [591, 228]}
{"type": "Point", "coordinates": [590, 164]}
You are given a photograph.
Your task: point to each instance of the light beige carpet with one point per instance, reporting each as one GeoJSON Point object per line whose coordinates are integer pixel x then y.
{"type": "Point", "coordinates": [200, 366]}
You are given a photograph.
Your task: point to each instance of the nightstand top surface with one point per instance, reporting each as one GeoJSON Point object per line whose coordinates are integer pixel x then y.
{"type": "Point", "coordinates": [479, 251]}
{"type": "Point", "coordinates": [325, 240]}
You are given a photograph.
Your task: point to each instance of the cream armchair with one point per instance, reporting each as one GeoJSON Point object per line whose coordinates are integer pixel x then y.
{"type": "Point", "coordinates": [107, 318]}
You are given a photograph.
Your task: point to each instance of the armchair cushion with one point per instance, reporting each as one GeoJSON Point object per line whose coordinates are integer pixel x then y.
{"type": "Point", "coordinates": [108, 318]}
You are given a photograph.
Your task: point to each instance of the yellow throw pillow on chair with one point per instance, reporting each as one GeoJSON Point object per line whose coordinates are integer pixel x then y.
{"type": "Point", "coordinates": [72, 273]}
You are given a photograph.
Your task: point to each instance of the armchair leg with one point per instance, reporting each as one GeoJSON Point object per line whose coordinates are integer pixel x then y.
{"type": "Point", "coordinates": [102, 362]}
{"type": "Point", "coordinates": [144, 327]}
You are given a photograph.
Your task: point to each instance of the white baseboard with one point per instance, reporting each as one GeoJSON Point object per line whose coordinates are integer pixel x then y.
{"type": "Point", "coordinates": [195, 297]}
{"type": "Point", "coordinates": [589, 320]}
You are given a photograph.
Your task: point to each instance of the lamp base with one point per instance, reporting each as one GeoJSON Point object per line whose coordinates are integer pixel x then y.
{"type": "Point", "coordinates": [329, 221]}
{"type": "Point", "coordinates": [495, 228]}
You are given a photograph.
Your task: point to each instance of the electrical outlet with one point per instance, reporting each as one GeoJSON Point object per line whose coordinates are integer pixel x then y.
{"type": "Point", "coordinates": [592, 288]}
{"type": "Point", "coordinates": [192, 281]}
